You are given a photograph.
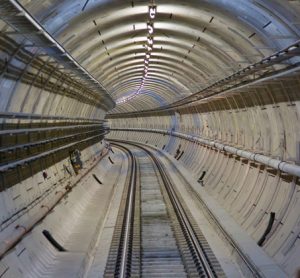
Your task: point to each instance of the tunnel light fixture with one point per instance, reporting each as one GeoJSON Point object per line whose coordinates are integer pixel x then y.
{"type": "Point", "coordinates": [148, 56]}
{"type": "Point", "coordinates": [150, 40]}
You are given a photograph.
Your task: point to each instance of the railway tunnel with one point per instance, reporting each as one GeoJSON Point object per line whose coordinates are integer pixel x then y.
{"type": "Point", "coordinates": [149, 138]}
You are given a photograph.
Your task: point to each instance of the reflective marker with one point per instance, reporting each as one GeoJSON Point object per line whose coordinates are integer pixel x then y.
{"type": "Point", "coordinates": [152, 12]}
{"type": "Point", "coordinates": [150, 40]}
{"type": "Point", "coordinates": [150, 28]}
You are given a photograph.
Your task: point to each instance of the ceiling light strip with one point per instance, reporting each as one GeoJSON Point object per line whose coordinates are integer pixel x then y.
{"type": "Point", "coordinates": [149, 47]}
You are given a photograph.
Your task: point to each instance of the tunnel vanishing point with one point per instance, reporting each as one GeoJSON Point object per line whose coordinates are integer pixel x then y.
{"type": "Point", "coordinates": [155, 138]}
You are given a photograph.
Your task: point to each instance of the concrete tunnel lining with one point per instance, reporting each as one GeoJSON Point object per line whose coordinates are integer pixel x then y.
{"type": "Point", "coordinates": [217, 80]}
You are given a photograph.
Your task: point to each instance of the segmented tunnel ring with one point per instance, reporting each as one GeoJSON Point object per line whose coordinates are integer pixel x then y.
{"type": "Point", "coordinates": [211, 84]}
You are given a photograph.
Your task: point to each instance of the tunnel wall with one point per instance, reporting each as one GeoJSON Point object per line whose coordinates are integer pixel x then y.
{"type": "Point", "coordinates": [261, 121]}
{"type": "Point", "coordinates": [47, 110]}
{"type": "Point", "coordinates": [35, 256]}
{"type": "Point", "coordinates": [32, 82]}
{"type": "Point", "coordinates": [26, 203]}
{"type": "Point", "coordinates": [248, 191]}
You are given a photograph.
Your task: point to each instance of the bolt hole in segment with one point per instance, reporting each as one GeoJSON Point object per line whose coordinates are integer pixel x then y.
{"type": "Point", "coordinates": [155, 234]}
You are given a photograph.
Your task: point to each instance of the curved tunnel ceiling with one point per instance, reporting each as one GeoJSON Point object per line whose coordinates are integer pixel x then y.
{"type": "Point", "coordinates": [192, 44]}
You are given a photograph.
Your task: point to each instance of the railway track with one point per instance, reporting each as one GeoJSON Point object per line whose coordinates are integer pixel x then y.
{"type": "Point", "coordinates": [155, 234]}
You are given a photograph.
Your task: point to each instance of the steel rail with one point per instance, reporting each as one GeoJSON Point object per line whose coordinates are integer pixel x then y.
{"type": "Point", "coordinates": [248, 263]}
{"type": "Point", "coordinates": [179, 210]}
{"type": "Point", "coordinates": [237, 249]}
{"type": "Point", "coordinates": [182, 217]}
{"type": "Point", "coordinates": [128, 218]}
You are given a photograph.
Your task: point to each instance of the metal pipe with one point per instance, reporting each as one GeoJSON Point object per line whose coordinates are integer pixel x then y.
{"type": "Point", "coordinates": [129, 215]}
{"type": "Point", "coordinates": [277, 164]}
